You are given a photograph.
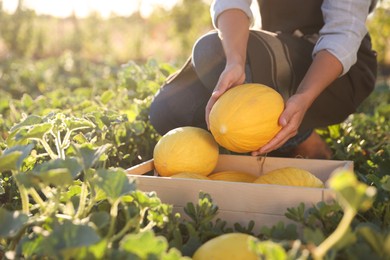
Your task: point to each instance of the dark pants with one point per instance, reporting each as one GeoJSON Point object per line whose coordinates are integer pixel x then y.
{"type": "Point", "coordinates": [276, 60]}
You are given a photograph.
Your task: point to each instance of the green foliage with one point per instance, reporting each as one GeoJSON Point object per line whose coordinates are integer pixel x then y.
{"type": "Point", "coordinates": [113, 102]}
{"type": "Point", "coordinates": [71, 207]}
{"type": "Point", "coordinates": [379, 28]}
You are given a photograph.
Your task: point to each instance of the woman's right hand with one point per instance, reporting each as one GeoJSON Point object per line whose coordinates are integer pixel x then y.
{"type": "Point", "coordinates": [233, 75]}
{"type": "Point", "coordinates": [233, 29]}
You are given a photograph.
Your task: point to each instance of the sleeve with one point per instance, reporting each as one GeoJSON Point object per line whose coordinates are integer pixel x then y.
{"type": "Point", "coordinates": [344, 29]}
{"type": "Point", "coordinates": [219, 6]}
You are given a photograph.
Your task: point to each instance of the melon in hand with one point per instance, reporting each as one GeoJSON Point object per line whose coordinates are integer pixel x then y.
{"type": "Point", "coordinates": [246, 117]}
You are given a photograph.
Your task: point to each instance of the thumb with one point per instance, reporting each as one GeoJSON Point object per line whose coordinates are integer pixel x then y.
{"type": "Point", "coordinates": [221, 87]}
{"type": "Point", "coordinates": [284, 118]}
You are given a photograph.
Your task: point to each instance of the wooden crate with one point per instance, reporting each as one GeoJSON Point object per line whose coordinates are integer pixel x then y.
{"type": "Point", "coordinates": [241, 202]}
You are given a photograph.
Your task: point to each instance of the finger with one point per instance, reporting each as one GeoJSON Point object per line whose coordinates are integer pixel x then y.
{"type": "Point", "coordinates": [276, 143]}
{"type": "Point", "coordinates": [285, 117]}
{"type": "Point", "coordinates": [209, 106]}
{"type": "Point", "coordinates": [221, 87]}
{"type": "Point", "coordinates": [283, 136]}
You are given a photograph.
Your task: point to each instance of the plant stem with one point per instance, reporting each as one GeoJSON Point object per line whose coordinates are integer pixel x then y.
{"type": "Point", "coordinates": [113, 214]}
{"type": "Point", "coordinates": [83, 198]}
{"type": "Point", "coordinates": [24, 198]}
{"type": "Point", "coordinates": [34, 194]}
{"type": "Point", "coordinates": [48, 149]}
{"type": "Point", "coordinates": [340, 231]}
{"type": "Point", "coordinates": [60, 152]}
{"type": "Point", "coordinates": [129, 224]}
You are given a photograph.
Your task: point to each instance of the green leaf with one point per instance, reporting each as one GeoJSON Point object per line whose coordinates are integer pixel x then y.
{"type": "Point", "coordinates": [26, 100]}
{"type": "Point", "coordinates": [71, 164]}
{"type": "Point", "coordinates": [334, 131]}
{"type": "Point", "coordinates": [27, 179]}
{"type": "Point", "coordinates": [107, 96]}
{"type": "Point", "coordinates": [12, 158]}
{"type": "Point", "coordinates": [386, 183]}
{"type": "Point", "coordinates": [280, 231]}
{"type": "Point", "coordinates": [350, 192]}
{"type": "Point", "coordinates": [37, 131]}
{"type": "Point", "coordinates": [28, 121]}
{"type": "Point", "coordinates": [146, 199]}
{"type": "Point", "coordinates": [89, 154]}
{"type": "Point", "coordinates": [68, 238]}
{"type": "Point", "coordinates": [80, 138]}
{"type": "Point", "coordinates": [138, 127]}
{"type": "Point", "coordinates": [58, 172]}
{"type": "Point", "coordinates": [60, 177]}
{"type": "Point", "coordinates": [372, 235]}
{"type": "Point", "coordinates": [11, 222]}
{"type": "Point", "coordinates": [74, 123]}
{"type": "Point", "coordinates": [101, 219]}
{"type": "Point", "coordinates": [297, 214]}
{"type": "Point", "coordinates": [114, 183]}
{"type": "Point", "coordinates": [9, 162]}
{"type": "Point", "coordinates": [30, 247]}
{"type": "Point", "coordinates": [144, 245]}
{"type": "Point", "coordinates": [268, 250]}
{"type": "Point", "coordinates": [315, 236]}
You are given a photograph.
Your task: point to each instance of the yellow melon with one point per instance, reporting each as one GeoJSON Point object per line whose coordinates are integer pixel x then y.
{"type": "Point", "coordinates": [232, 176]}
{"type": "Point", "coordinates": [232, 246]}
{"type": "Point", "coordinates": [245, 117]}
{"type": "Point", "coordinates": [186, 149]}
{"type": "Point", "coordinates": [290, 176]}
{"type": "Point", "coordinates": [190, 175]}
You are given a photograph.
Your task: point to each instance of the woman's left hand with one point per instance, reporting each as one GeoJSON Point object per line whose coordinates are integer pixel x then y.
{"type": "Point", "coordinates": [290, 120]}
{"type": "Point", "coordinates": [324, 69]}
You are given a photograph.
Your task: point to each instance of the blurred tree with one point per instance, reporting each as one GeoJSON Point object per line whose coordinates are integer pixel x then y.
{"type": "Point", "coordinates": [379, 28]}
{"type": "Point", "coordinates": [191, 20]}
{"type": "Point", "coordinates": [77, 37]}
{"type": "Point", "coordinates": [16, 30]}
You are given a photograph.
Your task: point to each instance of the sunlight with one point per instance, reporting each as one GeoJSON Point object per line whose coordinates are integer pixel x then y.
{"type": "Point", "coordinates": [83, 8]}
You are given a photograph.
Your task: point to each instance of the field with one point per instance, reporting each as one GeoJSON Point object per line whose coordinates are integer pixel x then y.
{"type": "Point", "coordinates": [74, 115]}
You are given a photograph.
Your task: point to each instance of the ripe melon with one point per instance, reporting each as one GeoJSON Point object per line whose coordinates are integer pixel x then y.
{"type": "Point", "coordinates": [231, 246]}
{"type": "Point", "coordinates": [186, 149]}
{"type": "Point", "coordinates": [290, 176]}
{"type": "Point", "coordinates": [232, 176]}
{"type": "Point", "coordinates": [190, 175]}
{"type": "Point", "coordinates": [245, 117]}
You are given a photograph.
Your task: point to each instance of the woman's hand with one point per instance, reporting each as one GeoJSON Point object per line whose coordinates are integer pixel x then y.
{"type": "Point", "coordinates": [233, 29]}
{"type": "Point", "coordinates": [290, 120]}
{"type": "Point", "coordinates": [233, 75]}
{"type": "Point", "coordinates": [322, 72]}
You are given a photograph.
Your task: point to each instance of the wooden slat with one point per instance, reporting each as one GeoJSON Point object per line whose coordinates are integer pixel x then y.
{"type": "Point", "coordinates": [141, 168]}
{"type": "Point", "coordinates": [231, 196]}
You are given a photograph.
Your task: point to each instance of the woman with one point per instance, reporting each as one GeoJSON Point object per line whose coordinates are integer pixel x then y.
{"type": "Point", "coordinates": [316, 53]}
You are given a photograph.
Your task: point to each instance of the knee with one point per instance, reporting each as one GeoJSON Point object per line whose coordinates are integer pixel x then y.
{"type": "Point", "coordinates": [208, 59]}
